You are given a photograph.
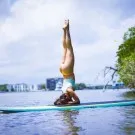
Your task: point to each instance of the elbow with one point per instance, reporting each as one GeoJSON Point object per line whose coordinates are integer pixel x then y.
{"type": "Point", "coordinates": [78, 101]}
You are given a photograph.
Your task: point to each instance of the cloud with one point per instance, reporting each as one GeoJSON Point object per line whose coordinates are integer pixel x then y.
{"type": "Point", "coordinates": [31, 33]}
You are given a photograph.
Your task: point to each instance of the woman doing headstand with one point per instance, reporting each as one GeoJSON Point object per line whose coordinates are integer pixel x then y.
{"type": "Point", "coordinates": [67, 69]}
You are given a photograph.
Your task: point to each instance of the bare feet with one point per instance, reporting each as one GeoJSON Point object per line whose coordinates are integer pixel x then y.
{"type": "Point", "coordinates": [66, 25]}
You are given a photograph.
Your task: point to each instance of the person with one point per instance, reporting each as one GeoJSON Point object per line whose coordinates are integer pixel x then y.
{"type": "Point", "coordinates": [67, 69]}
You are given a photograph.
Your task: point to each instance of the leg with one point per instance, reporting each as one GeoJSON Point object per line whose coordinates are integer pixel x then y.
{"type": "Point", "coordinates": [69, 61]}
{"type": "Point", "coordinates": [64, 46]}
{"type": "Point", "coordinates": [68, 54]}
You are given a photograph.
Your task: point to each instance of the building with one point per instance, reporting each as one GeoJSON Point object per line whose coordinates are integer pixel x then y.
{"type": "Point", "coordinates": [21, 87]}
{"type": "Point", "coordinates": [10, 87]}
{"type": "Point", "coordinates": [118, 85]}
{"type": "Point", "coordinates": [54, 83]}
{"type": "Point", "coordinates": [59, 83]}
{"type": "Point", "coordinates": [33, 87]}
{"type": "Point", "coordinates": [18, 87]}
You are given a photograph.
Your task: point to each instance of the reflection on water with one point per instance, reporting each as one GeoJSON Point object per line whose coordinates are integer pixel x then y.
{"type": "Point", "coordinates": [69, 119]}
{"type": "Point", "coordinates": [127, 124]}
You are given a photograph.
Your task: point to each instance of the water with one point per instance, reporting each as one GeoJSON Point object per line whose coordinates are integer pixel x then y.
{"type": "Point", "coordinates": [111, 121]}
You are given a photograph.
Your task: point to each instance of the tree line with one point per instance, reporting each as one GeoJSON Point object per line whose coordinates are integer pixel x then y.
{"type": "Point", "coordinates": [126, 59]}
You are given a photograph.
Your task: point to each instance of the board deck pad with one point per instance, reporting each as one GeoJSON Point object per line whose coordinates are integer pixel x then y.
{"type": "Point", "coordinates": [101, 104]}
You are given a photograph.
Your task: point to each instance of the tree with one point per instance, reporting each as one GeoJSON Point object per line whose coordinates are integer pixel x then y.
{"type": "Point", "coordinates": [126, 59]}
{"type": "Point", "coordinates": [80, 86]}
{"type": "Point", "coordinates": [42, 86]}
{"type": "Point", "coordinates": [3, 87]}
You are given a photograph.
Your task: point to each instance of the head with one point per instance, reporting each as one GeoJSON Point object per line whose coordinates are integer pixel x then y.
{"type": "Point", "coordinates": [63, 99]}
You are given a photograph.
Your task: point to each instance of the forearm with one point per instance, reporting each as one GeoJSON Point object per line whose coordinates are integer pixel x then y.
{"type": "Point", "coordinates": [74, 102]}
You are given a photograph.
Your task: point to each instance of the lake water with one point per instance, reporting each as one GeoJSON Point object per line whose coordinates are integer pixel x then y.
{"type": "Point", "coordinates": [91, 121]}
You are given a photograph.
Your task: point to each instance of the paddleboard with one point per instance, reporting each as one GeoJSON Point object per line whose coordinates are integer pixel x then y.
{"type": "Point", "coordinates": [68, 107]}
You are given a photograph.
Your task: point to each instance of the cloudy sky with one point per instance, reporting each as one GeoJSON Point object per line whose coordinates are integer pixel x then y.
{"type": "Point", "coordinates": [31, 31]}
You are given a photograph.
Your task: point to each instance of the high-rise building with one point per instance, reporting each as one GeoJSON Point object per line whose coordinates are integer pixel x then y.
{"type": "Point", "coordinates": [54, 83]}
{"type": "Point", "coordinates": [59, 83]}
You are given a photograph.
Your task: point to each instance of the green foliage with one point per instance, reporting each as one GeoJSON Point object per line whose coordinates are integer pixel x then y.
{"type": "Point", "coordinates": [129, 94]}
{"type": "Point", "coordinates": [129, 34]}
{"type": "Point", "coordinates": [126, 59]}
{"type": "Point", "coordinates": [3, 87]}
{"type": "Point", "coordinates": [42, 86]}
{"type": "Point", "coordinates": [80, 86]}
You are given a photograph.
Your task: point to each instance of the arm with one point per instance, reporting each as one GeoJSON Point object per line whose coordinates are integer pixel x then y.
{"type": "Point", "coordinates": [57, 102]}
{"type": "Point", "coordinates": [75, 100]}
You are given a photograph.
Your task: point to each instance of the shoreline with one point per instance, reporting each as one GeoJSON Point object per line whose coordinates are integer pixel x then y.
{"type": "Point", "coordinates": [129, 94]}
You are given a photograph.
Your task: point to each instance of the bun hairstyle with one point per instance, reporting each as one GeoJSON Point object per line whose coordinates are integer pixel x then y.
{"type": "Point", "coordinates": [63, 99]}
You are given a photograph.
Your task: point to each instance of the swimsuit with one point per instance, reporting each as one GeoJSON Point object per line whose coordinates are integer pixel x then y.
{"type": "Point", "coordinates": [69, 82]}
{"type": "Point", "coordinates": [65, 74]}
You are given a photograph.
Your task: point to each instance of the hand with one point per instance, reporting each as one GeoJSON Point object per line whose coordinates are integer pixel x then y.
{"type": "Point", "coordinates": [70, 102]}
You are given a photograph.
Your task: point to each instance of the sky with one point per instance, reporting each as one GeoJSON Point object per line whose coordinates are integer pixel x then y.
{"type": "Point", "coordinates": [31, 37]}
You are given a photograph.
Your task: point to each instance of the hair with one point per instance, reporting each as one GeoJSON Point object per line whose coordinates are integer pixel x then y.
{"type": "Point", "coordinates": [63, 99]}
